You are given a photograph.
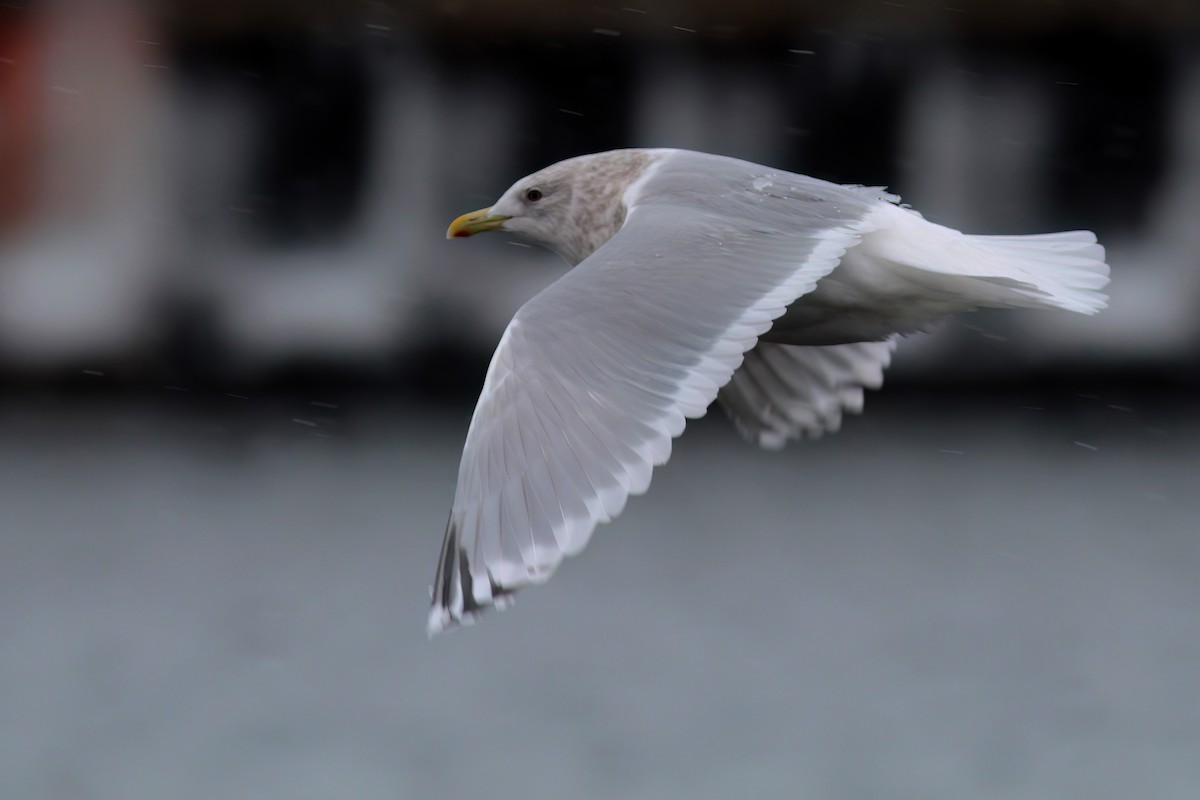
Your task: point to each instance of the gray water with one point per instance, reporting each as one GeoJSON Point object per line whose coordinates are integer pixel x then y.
{"type": "Point", "coordinates": [993, 604]}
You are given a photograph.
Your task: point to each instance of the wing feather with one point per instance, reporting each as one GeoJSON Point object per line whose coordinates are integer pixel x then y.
{"type": "Point", "coordinates": [783, 392]}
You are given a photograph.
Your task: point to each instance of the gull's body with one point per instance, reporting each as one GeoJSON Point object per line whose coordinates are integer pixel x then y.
{"type": "Point", "coordinates": [697, 277]}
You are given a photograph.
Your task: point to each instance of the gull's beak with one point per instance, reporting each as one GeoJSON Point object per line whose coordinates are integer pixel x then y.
{"type": "Point", "coordinates": [475, 222]}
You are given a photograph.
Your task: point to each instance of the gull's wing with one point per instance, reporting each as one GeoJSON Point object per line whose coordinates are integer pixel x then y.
{"type": "Point", "coordinates": [785, 391]}
{"type": "Point", "coordinates": [596, 374]}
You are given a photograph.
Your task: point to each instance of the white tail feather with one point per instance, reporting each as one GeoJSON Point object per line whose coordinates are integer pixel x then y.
{"type": "Point", "coordinates": [1065, 270]}
{"type": "Point", "coordinates": [1047, 270]}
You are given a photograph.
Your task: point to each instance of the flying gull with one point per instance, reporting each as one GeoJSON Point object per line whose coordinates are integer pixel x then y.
{"type": "Point", "coordinates": [697, 277]}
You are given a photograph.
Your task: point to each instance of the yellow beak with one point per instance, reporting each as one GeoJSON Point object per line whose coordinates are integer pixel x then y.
{"type": "Point", "coordinates": [475, 222]}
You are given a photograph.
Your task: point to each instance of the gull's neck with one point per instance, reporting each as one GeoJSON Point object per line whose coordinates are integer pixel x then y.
{"type": "Point", "coordinates": [606, 186]}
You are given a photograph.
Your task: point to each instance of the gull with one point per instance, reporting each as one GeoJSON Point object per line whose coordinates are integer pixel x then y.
{"type": "Point", "coordinates": [695, 278]}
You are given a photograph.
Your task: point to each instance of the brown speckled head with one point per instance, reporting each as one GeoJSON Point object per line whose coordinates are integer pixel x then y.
{"type": "Point", "coordinates": [571, 207]}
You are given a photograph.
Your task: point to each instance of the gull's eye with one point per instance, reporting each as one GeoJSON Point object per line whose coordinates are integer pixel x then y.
{"type": "Point", "coordinates": [533, 195]}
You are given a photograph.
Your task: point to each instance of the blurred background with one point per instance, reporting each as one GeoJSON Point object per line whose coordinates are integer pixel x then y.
{"type": "Point", "coordinates": [238, 359]}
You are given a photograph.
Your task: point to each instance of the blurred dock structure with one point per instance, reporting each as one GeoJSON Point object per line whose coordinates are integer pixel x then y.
{"type": "Point", "coordinates": [229, 191]}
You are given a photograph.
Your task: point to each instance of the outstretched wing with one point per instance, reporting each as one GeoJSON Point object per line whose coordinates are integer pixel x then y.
{"type": "Point", "coordinates": [785, 391]}
{"type": "Point", "coordinates": [595, 375]}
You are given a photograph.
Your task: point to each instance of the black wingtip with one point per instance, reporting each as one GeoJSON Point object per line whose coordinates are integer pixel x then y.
{"type": "Point", "coordinates": [442, 614]}
{"type": "Point", "coordinates": [472, 607]}
{"type": "Point", "coordinates": [454, 571]}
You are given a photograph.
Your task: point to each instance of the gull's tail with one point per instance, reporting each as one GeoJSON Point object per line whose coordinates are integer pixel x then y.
{"type": "Point", "coordinates": [1056, 270]}
{"type": "Point", "coordinates": [1047, 270]}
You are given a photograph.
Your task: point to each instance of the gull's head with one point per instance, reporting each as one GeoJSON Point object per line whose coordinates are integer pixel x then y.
{"type": "Point", "coordinates": [571, 207]}
{"type": "Point", "coordinates": [537, 208]}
